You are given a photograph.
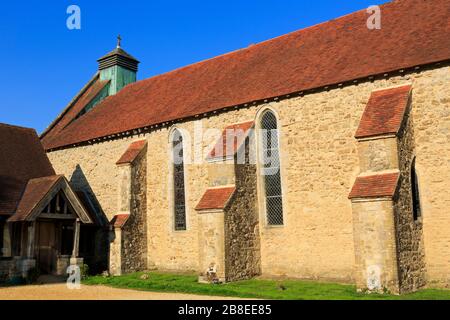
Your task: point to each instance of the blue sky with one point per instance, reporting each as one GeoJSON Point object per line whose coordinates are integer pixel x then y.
{"type": "Point", "coordinates": [44, 64]}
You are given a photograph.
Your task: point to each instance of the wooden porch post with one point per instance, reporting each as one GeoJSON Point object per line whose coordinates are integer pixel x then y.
{"type": "Point", "coordinates": [7, 248]}
{"type": "Point", "coordinates": [30, 246]}
{"type": "Point", "coordinates": [76, 239]}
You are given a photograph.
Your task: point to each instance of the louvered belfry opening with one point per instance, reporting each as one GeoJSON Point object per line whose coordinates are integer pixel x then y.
{"type": "Point", "coordinates": [118, 57]}
{"type": "Point", "coordinates": [271, 169]}
{"type": "Point", "coordinates": [178, 182]}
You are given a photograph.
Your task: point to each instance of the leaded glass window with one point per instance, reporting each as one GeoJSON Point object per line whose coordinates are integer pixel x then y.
{"type": "Point", "coordinates": [271, 169]}
{"type": "Point", "coordinates": [178, 182]}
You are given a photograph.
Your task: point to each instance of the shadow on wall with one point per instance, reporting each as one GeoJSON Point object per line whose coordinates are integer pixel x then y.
{"type": "Point", "coordinates": [93, 239]}
{"type": "Point", "coordinates": [80, 183]}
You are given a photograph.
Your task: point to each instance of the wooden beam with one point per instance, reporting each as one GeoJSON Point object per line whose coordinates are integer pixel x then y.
{"type": "Point", "coordinates": [76, 204]}
{"type": "Point", "coordinates": [76, 239]}
{"type": "Point", "coordinates": [31, 234]}
{"type": "Point", "coordinates": [57, 216]}
{"type": "Point", "coordinates": [58, 208]}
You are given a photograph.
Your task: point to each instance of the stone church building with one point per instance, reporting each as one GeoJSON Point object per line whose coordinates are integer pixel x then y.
{"type": "Point", "coordinates": [321, 154]}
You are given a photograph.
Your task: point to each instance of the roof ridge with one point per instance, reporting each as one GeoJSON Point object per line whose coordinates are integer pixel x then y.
{"type": "Point", "coordinates": [397, 86]}
{"type": "Point", "coordinates": [240, 122]}
{"type": "Point", "coordinates": [16, 126]}
{"type": "Point", "coordinates": [228, 186]}
{"type": "Point", "coordinates": [378, 173]}
{"type": "Point", "coordinates": [70, 104]}
{"type": "Point", "coordinates": [48, 177]}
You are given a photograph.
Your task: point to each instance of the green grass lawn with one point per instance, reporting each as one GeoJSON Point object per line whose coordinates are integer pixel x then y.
{"type": "Point", "coordinates": [256, 288]}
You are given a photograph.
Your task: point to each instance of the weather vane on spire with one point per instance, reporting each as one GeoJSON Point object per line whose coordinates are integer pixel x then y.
{"type": "Point", "coordinates": [119, 40]}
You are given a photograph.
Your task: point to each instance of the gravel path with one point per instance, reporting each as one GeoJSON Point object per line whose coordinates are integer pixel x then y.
{"type": "Point", "coordinates": [61, 292]}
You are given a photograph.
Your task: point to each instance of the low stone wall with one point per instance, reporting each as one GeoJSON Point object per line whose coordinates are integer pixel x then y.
{"type": "Point", "coordinates": [8, 269]}
{"type": "Point", "coordinates": [62, 263]}
{"type": "Point", "coordinates": [16, 267]}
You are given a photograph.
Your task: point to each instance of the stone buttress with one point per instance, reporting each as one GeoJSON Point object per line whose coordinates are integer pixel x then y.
{"type": "Point", "coordinates": [227, 213]}
{"type": "Point", "coordinates": [388, 245]}
{"type": "Point", "coordinates": [128, 243]}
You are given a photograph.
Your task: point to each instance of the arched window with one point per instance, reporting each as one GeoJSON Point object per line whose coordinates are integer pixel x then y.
{"type": "Point", "coordinates": [415, 192]}
{"type": "Point", "coordinates": [179, 197]}
{"type": "Point", "coordinates": [270, 169]}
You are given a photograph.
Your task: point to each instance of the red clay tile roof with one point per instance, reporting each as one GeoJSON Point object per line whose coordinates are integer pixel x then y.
{"type": "Point", "coordinates": [132, 152]}
{"type": "Point", "coordinates": [119, 220]}
{"type": "Point", "coordinates": [384, 112]}
{"type": "Point", "coordinates": [35, 191]}
{"type": "Point", "coordinates": [375, 186]}
{"type": "Point", "coordinates": [232, 138]}
{"type": "Point", "coordinates": [22, 158]}
{"type": "Point", "coordinates": [86, 96]}
{"type": "Point", "coordinates": [215, 198]}
{"type": "Point", "coordinates": [413, 32]}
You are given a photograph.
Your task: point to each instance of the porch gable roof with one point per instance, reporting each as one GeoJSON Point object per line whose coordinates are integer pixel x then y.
{"type": "Point", "coordinates": [39, 192]}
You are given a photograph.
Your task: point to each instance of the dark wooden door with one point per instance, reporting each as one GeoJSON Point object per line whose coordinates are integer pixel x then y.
{"type": "Point", "coordinates": [47, 247]}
